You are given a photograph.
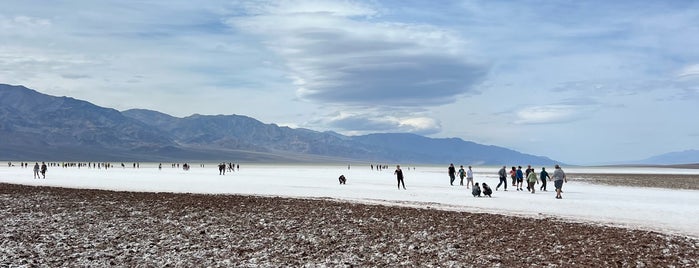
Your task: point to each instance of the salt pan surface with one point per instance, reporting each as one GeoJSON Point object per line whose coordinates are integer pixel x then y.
{"type": "Point", "coordinates": [664, 210]}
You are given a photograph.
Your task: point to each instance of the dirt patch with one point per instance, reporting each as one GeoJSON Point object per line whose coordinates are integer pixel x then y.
{"type": "Point", "coordinates": [56, 227]}
{"type": "Point", "coordinates": [669, 181]}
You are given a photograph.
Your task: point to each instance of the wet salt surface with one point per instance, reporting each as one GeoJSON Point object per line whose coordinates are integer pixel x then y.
{"type": "Point", "coordinates": [657, 209]}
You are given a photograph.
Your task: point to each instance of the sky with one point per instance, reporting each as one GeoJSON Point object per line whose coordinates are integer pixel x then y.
{"type": "Point", "coordinates": [582, 82]}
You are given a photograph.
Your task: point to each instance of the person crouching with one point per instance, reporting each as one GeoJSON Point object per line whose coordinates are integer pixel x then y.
{"type": "Point", "coordinates": [476, 190]}
{"type": "Point", "coordinates": [486, 190]}
{"type": "Point", "coordinates": [342, 179]}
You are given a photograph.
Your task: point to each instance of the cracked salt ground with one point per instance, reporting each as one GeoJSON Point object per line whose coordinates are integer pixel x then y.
{"type": "Point", "coordinates": [246, 231]}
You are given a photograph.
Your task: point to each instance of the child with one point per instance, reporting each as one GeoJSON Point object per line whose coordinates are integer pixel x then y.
{"type": "Point", "coordinates": [486, 190]}
{"type": "Point", "coordinates": [476, 190]}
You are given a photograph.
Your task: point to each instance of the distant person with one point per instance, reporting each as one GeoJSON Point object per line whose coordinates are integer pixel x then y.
{"type": "Point", "coordinates": [452, 174]}
{"type": "Point", "coordinates": [503, 178]}
{"type": "Point", "coordinates": [559, 177]}
{"type": "Point", "coordinates": [399, 177]}
{"type": "Point", "coordinates": [36, 171]}
{"type": "Point", "coordinates": [543, 176]}
{"type": "Point", "coordinates": [531, 181]}
{"type": "Point", "coordinates": [469, 177]}
{"type": "Point", "coordinates": [342, 179]}
{"type": "Point", "coordinates": [476, 192]}
{"type": "Point", "coordinates": [462, 174]}
{"type": "Point", "coordinates": [526, 174]}
{"type": "Point", "coordinates": [222, 169]}
{"type": "Point", "coordinates": [160, 166]}
{"type": "Point", "coordinates": [487, 191]}
{"type": "Point", "coordinates": [513, 175]}
{"type": "Point", "coordinates": [43, 170]}
{"type": "Point", "coordinates": [520, 178]}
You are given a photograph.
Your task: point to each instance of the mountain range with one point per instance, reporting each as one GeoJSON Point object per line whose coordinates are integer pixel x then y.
{"type": "Point", "coordinates": [36, 126]}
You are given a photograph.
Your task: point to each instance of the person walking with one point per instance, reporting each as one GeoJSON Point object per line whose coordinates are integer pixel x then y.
{"type": "Point", "coordinates": [531, 181]}
{"type": "Point", "coordinates": [559, 177]}
{"type": "Point", "coordinates": [469, 177]}
{"type": "Point", "coordinates": [503, 178]}
{"type": "Point", "coordinates": [520, 178]}
{"type": "Point", "coordinates": [452, 174]}
{"type": "Point", "coordinates": [399, 177]}
{"type": "Point", "coordinates": [526, 174]}
{"type": "Point", "coordinates": [513, 175]}
{"type": "Point", "coordinates": [43, 170]}
{"type": "Point", "coordinates": [462, 174]}
{"type": "Point", "coordinates": [543, 176]}
{"type": "Point", "coordinates": [36, 170]}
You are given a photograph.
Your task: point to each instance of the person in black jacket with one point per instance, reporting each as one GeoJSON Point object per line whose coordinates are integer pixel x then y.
{"type": "Point", "coordinates": [476, 190]}
{"type": "Point", "coordinates": [486, 190]}
{"type": "Point", "coordinates": [399, 177]}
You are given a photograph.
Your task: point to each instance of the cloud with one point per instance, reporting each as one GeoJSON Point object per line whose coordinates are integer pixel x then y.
{"type": "Point", "coordinates": [690, 71]}
{"type": "Point", "coordinates": [548, 114]}
{"type": "Point", "coordinates": [356, 123]}
{"type": "Point", "coordinates": [336, 54]}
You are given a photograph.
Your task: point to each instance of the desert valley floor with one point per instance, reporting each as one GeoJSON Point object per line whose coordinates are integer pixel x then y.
{"type": "Point", "coordinates": [300, 216]}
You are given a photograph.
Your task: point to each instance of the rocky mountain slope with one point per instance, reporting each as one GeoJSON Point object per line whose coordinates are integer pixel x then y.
{"type": "Point", "coordinates": [38, 126]}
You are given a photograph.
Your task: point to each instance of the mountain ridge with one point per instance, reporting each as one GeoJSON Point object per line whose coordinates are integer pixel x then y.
{"type": "Point", "coordinates": [34, 125]}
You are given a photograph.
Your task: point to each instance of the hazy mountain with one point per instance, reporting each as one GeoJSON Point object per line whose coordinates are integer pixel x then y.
{"type": "Point", "coordinates": [673, 158]}
{"type": "Point", "coordinates": [38, 126]}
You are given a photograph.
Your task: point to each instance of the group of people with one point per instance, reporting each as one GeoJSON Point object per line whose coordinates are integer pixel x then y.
{"type": "Point", "coordinates": [230, 167]}
{"type": "Point", "coordinates": [516, 174]}
{"type": "Point", "coordinates": [468, 174]}
{"type": "Point", "coordinates": [40, 171]}
{"type": "Point", "coordinates": [518, 177]}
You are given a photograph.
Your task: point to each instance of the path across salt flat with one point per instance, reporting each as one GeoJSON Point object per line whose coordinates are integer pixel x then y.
{"type": "Point", "coordinates": [664, 210]}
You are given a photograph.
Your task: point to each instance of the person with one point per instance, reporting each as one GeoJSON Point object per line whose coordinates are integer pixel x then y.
{"type": "Point", "coordinates": [452, 174]}
{"type": "Point", "coordinates": [36, 170]}
{"type": "Point", "coordinates": [559, 177]}
{"type": "Point", "coordinates": [526, 174]}
{"type": "Point", "coordinates": [222, 169]}
{"type": "Point", "coordinates": [531, 181]}
{"type": "Point", "coordinates": [520, 178]}
{"type": "Point", "coordinates": [503, 178]}
{"type": "Point", "coordinates": [342, 179]}
{"type": "Point", "coordinates": [486, 190]}
{"type": "Point", "coordinates": [476, 192]}
{"type": "Point", "coordinates": [399, 177]}
{"type": "Point", "coordinates": [469, 177]}
{"type": "Point", "coordinates": [513, 175]}
{"type": "Point", "coordinates": [543, 176]}
{"type": "Point", "coordinates": [462, 174]}
{"type": "Point", "coordinates": [43, 170]}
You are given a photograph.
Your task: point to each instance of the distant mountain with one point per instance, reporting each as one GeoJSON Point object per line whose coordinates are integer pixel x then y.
{"type": "Point", "coordinates": [39, 126]}
{"type": "Point", "coordinates": [673, 158]}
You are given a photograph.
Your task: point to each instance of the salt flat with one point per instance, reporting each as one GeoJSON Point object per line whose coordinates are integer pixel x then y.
{"type": "Point", "coordinates": [663, 210]}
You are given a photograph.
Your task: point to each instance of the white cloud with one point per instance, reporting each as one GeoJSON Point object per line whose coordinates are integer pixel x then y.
{"type": "Point", "coordinates": [690, 71]}
{"type": "Point", "coordinates": [548, 114]}
{"type": "Point", "coordinates": [372, 121]}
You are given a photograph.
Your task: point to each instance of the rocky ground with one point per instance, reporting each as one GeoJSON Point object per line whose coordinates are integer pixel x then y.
{"type": "Point", "coordinates": [57, 227]}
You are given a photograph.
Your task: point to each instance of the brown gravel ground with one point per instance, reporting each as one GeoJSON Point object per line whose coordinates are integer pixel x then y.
{"type": "Point", "coordinates": [670, 181]}
{"type": "Point", "coordinates": [58, 227]}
